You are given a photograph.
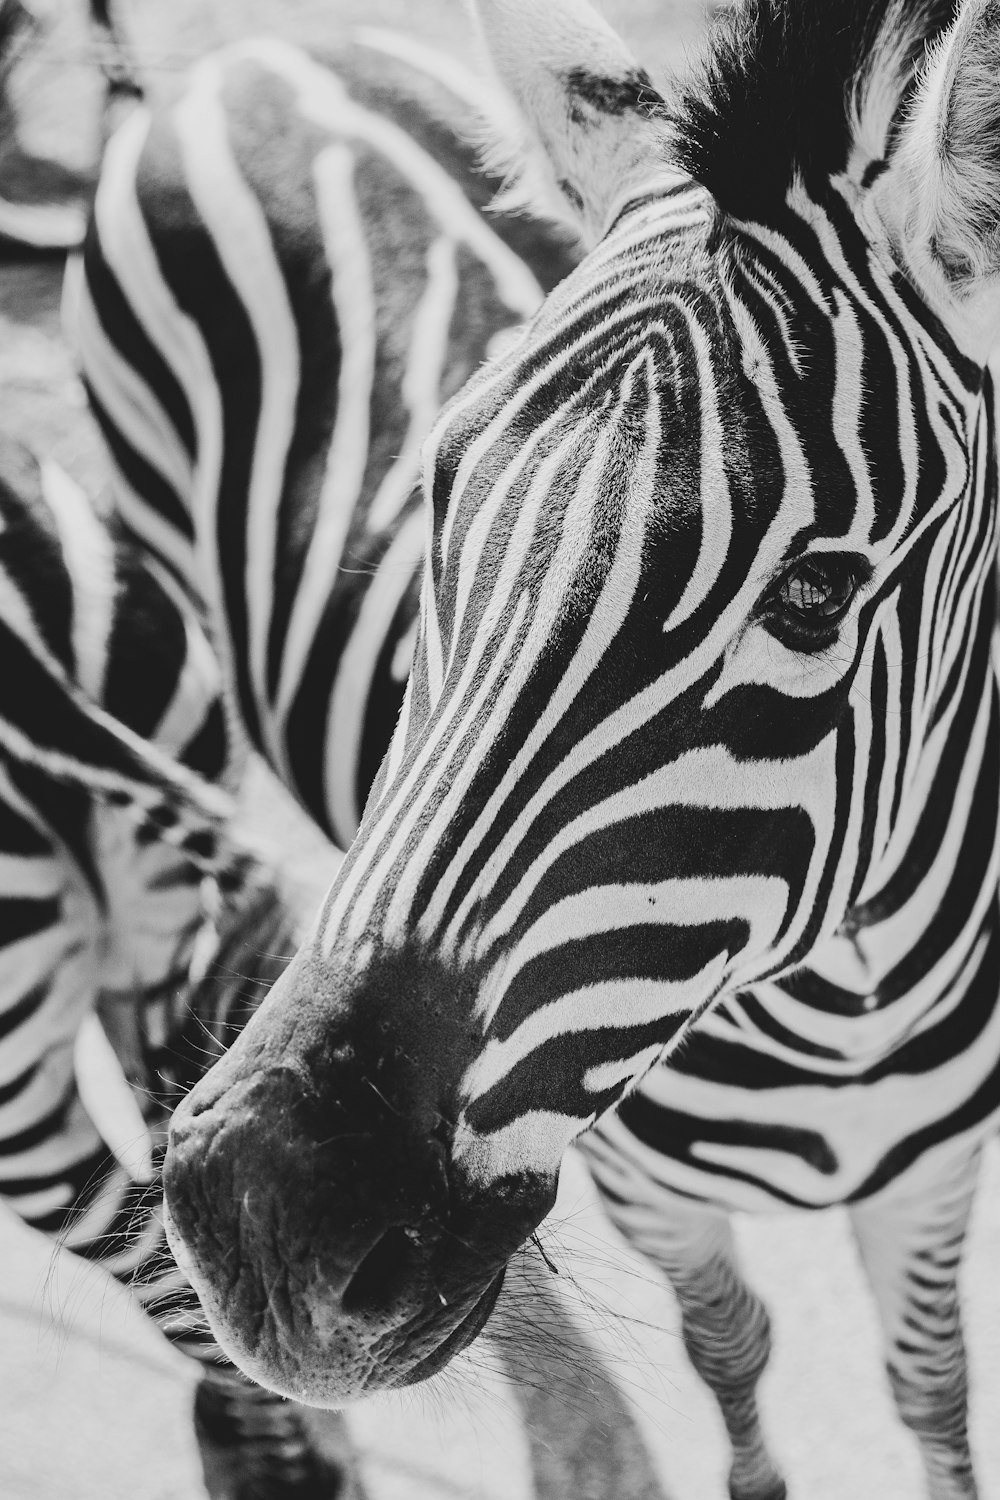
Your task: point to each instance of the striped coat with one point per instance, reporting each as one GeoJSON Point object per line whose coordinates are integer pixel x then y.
{"type": "Point", "coordinates": [271, 305]}
{"type": "Point", "coordinates": [111, 733]}
{"type": "Point", "coordinates": [288, 272]}
{"type": "Point", "coordinates": [134, 923]}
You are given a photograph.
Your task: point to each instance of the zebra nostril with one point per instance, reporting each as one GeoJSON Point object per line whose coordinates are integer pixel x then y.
{"type": "Point", "coordinates": [384, 1272]}
{"type": "Point", "coordinates": [199, 1104]}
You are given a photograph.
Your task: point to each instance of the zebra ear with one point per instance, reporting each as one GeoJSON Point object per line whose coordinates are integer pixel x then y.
{"type": "Point", "coordinates": [591, 137]}
{"type": "Point", "coordinates": [940, 196]}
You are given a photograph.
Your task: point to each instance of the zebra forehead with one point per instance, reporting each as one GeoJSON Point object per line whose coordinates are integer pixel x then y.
{"type": "Point", "coordinates": [639, 291]}
{"type": "Point", "coordinates": [769, 363]}
{"type": "Point", "coordinates": [643, 354]}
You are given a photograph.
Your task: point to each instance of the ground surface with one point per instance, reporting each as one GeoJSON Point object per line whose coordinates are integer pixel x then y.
{"type": "Point", "coordinates": [94, 1407]}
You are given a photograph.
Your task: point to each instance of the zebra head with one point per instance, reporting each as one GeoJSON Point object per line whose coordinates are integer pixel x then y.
{"type": "Point", "coordinates": [708, 588]}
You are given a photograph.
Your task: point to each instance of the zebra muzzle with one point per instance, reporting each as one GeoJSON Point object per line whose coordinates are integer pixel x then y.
{"type": "Point", "coordinates": [317, 1206]}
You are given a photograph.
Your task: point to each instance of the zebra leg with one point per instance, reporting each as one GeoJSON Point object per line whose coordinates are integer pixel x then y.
{"type": "Point", "coordinates": [727, 1332]}
{"type": "Point", "coordinates": [260, 1443]}
{"type": "Point", "coordinates": [911, 1239]}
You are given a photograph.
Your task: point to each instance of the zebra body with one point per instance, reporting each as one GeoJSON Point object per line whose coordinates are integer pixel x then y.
{"type": "Point", "coordinates": [214, 391]}
{"type": "Point", "coordinates": [288, 272]}
{"type": "Point", "coordinates": [697, 768]}
{"type": "Point", "coordinates": [108, 678]}
{"type": "Point", "coordinates": [133, 921]}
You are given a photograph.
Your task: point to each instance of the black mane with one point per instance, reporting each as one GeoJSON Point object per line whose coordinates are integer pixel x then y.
{"type": "Point", "coordinates": [773, 98]}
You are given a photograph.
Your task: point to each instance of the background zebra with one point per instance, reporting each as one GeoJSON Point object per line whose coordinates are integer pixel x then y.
{"type": "Point", "coordinates": [125, 895]}
{"type": "Point", "coordinates": [416, 336]}
{"type": "Point", "coordinates": [288, 272]}
{"type": "Point", "coordinates": [764, 330]}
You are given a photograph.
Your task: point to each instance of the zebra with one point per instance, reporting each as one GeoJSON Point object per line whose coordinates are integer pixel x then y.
{"type": "Point", "coordinates": [685, 844]}
{"type": "Point", "coordinates": [127, 902]}
{"type": "Point", "coordinates": [287, 273]}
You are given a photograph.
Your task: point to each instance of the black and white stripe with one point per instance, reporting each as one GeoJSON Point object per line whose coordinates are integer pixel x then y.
{"type": "Point", "coordinates": [287, 274]}
{"type": "Point", "coordinates": [111, 734]}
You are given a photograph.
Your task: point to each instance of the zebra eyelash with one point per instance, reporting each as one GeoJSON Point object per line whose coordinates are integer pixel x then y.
{"type": "Point", "coordinates": [809, 601]}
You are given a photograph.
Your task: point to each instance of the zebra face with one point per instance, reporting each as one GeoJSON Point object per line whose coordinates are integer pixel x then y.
{"type": "Point", "coordinates": [701, 551]}
{"type": "Point", "coordinates": [687, 543]}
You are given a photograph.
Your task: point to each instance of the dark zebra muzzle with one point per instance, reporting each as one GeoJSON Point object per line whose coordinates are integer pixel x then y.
{"type": "Point", "coordinates": [315, 1199]}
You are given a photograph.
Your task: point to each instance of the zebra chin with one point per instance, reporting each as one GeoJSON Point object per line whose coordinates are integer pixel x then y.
{"type": "Point", "coordinates": [312, 1351]}
{"type": "Point", "coordinates": [314, 1198]}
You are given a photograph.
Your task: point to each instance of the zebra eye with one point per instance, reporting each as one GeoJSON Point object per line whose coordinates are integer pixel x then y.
{"type": "Point", "coordinates": [812, 597]}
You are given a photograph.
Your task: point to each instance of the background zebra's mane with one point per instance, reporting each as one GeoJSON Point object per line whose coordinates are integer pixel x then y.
{"type": "Point", "coordinates": [786, 87]}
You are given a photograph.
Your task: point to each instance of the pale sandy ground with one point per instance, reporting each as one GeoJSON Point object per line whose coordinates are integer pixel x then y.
{"type": "Point", "coordinates": [92, 1404]}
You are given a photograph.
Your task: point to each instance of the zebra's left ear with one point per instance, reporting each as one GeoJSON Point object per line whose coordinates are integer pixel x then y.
{"type": "Point", "coordinates": [940, 196]}
{"type": "Point", "coordinates": [592, 133]}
